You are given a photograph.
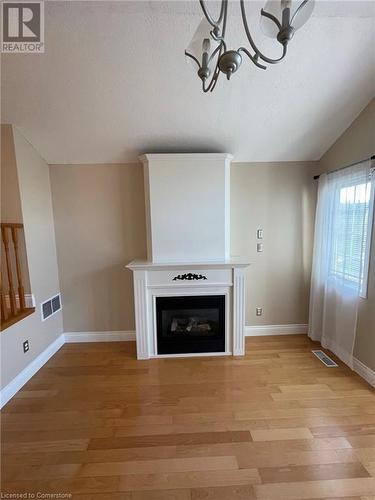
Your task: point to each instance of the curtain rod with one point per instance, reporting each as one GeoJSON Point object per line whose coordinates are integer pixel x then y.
{"type": "Point", "coordinates": [352, 165]}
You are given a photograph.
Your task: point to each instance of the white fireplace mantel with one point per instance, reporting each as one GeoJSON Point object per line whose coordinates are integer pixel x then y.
{"type": "Point", "coordinates": [187, 206]}
{"type": "Point", "coordinates": [153, 280]}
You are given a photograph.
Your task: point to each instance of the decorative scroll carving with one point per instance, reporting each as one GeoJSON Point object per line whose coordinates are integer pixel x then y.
{"type": "Point", "coordinates": [189, 277]}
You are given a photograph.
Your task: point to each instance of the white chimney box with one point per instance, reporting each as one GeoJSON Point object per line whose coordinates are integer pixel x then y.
{"type": "Point", "coordinates": [187, 207]}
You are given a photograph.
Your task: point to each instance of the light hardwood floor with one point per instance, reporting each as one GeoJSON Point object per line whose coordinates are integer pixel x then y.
{"type": "Point", "coordinates": [276, 424]}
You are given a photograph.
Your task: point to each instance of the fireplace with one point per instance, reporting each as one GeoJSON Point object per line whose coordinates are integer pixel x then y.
{"type": "Point", "coordinates": [189, 294]}
{"type": "Point", "coordinates": [190, 324]}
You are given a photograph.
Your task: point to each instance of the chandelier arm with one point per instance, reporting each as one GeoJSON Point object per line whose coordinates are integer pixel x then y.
{"type": "Point", "coordinates": [217, 36]}
{"type": "Point", "coordinates": [252, 43]}
{"type": "Point", "coordinates": [214, 79]}
{"type": "Point", "coordinates": [215, 82]}
{"type": "Point", "coordinates": [192, 57]}
{"type": "Point", "coordinates": [224, 19]}
{"type": "Point", "coordinates": [212, 83]}
{"type": "Point", "coordinates": [216, 72]}
{"type": "Point", "coordinates": [209, 86]}
{"type": "Point", "coordinates": [272, 17]}
{"type": "Point", "coordinates": [205, 90]}
{"type": "Point", "coordinates": [219, 47]}
{"type": "Point", "coordinates": [301, 6]}
{"type": "Point", "coordinates": [253, 58]}
{"type": "Point", "coordinates": [223, 48]}
{"type": "Point", "coordinates": [214, 24]}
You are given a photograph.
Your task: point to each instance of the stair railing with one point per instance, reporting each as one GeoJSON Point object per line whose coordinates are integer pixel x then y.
{"type": "Point", "coordinates": [12, 290]}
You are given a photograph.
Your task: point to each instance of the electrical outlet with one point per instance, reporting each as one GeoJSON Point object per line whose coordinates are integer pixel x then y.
{"type": "Point", "coordinates": [259, 311]}
{"type": "Point", "coordinates": [259, 247]}
{"type": "Point", "coordinates": [26, 346]}
{"type": "Point", "coordinates": [260, 234]}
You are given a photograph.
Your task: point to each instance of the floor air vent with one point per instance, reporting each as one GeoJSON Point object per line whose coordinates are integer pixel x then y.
{"type": "Point", "coordinates": [324, 358]}
{"type": "Point", "coordinates": [50, 306]}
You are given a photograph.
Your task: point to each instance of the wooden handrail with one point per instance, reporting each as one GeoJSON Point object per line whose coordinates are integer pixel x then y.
{"type": "Point", "coordinates": [11, 224]}
{"type": "Point", "coordinates": [15, 308]}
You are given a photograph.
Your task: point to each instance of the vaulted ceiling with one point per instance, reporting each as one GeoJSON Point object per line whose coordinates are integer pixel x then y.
{"type": "Point", "coordinates": [114, 83]}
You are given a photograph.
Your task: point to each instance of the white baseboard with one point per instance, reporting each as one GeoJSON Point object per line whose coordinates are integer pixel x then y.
{"type": "Point", "coordinates": [355, 364]}
{"type": "Point", "coordinates": [346, 357]}
{"type": "Point", "coordinates": [114, 336]}
{"type": "Point", "coordinates": [364, 371]}
{"type": "Point", "coordinates": [18, 382]}
{"type": "Point", "coordinates": [129, 335]}
{"type": "Point", "coordinates": [261, 330]}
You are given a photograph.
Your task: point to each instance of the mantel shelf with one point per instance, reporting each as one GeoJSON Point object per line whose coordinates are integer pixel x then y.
{"type": "Point", "coordinates": [225, 264]}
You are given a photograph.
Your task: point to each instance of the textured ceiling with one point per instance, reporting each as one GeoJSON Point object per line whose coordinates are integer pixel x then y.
{"type": "Point", "coordinates": [114, 83]}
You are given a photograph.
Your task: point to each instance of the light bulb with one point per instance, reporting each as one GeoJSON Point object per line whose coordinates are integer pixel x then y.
{"type": "Point", "coordinates": [285, 4]}
{"type": "Point", "coordinates": [206, 45]}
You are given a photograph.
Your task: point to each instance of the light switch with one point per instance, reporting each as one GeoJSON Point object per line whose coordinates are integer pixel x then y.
{"type": "Point", "coordinates": [260, 234]}
{"type": "Point", "coordinates": [259, 247]}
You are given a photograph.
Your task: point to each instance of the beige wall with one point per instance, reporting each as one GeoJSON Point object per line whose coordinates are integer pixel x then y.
{"type": "Point", "coordinates": [280, 199]}
{"type": "Point", "coordinates": [356, 144]}
{"type": "Point", "coordinates": [10, 193]}
{"type": "Point", "coordinates": [11, 210]}
{"type": "Point", "coordinates": [100, 227]}
{"type": "Point", "coordinates": [35, 194]}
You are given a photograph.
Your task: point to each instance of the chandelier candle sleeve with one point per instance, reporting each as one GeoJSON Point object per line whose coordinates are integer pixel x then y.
{"type": "Point", "coordinates": [279, 19]}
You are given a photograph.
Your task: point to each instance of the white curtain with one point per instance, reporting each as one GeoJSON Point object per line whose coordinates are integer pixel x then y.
{"type": "Point", "coordinates": [341, 231]}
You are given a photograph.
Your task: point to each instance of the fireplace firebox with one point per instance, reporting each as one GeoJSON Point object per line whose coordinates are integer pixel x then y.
{"type": "Point", "coordinates": [190, 324]}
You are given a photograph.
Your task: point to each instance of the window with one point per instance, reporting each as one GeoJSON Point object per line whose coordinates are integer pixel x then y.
{"type": "Point", "coordinates": [343, 227]}
{"type": "Point", "coordinates": [352, 216]}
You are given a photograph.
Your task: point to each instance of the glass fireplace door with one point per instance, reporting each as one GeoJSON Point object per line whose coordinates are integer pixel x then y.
{"type": "Point", "coordinates": [190, 324]}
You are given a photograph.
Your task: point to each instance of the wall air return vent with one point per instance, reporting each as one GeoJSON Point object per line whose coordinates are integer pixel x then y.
{"type": "Point", "coordinates": [324, 358]}
{"type": "Point", "coordinates": [56, 303]}
{"type": "Point", "coordinates": [50, 307]}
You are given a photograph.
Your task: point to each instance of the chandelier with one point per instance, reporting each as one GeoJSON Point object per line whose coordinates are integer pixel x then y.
{"type": "Point", "coordinates": [208, 49]}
